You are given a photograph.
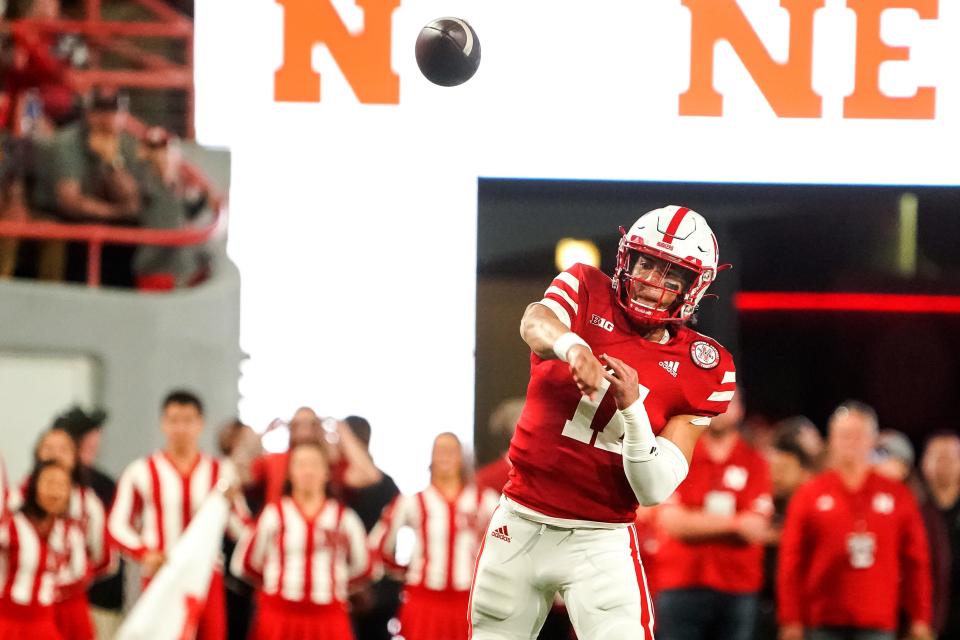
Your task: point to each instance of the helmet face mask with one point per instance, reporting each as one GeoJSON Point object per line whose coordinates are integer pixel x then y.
{"type": "Point", "coordinates": [665, 263]}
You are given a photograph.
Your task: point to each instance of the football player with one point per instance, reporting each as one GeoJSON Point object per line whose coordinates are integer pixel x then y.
{"type": "Point", "coordinates": [620, 389]}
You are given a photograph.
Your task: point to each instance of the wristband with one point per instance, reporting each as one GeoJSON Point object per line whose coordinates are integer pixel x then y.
{"type": "Point", "coordinates": [565, 342]}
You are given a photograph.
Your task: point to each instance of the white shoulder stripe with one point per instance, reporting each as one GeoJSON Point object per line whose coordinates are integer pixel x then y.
{"type": "Point", "coordinates": [720, 396]}
{"type": "Point", "coordinates": [558, 310]}
{"type": "Point", "coordinates": [729, 376]}
{"type": "Point", "coordinates": [563, 294]}
{"type": "Point", "coordinates": [570, 279]}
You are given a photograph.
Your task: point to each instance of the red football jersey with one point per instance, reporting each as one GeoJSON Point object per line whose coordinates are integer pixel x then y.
{"type": "Point", "coordinates": [566, 450]}
{"type": "Point", "coordinates": [853, 558]}
{"type": "Point", "coordinates": [738, 484]}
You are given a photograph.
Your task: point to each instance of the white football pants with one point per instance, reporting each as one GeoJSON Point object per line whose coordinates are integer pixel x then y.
{"type": "Point", "coordinates": [523, 564]}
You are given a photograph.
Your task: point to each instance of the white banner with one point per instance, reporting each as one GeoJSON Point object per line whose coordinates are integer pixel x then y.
{"type": "Point", "coordinates": [170, 607]}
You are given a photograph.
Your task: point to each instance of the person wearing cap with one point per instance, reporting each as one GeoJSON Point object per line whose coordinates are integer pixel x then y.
{"type": "Point", "coordinates": [173, 195]}
{"type": "Point", "coordinates": [105, 596]}
{"type": "Point", "coordinates": [91, 177]}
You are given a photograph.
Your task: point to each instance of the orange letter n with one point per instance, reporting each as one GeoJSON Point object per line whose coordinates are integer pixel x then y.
{"type": "Point", "coordinates": [364, 58]}
{"type": "Point", "coordinates": [787, 87]}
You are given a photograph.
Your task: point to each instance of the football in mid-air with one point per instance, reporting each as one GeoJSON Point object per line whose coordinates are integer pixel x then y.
{"type": "Point", "coordinates": [448, 51]}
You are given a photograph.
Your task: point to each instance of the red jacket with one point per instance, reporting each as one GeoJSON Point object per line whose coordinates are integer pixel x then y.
{"type": "Point", "coordinates": [844, 553]}
{"type": "Point", "coordinates": [738, 484]}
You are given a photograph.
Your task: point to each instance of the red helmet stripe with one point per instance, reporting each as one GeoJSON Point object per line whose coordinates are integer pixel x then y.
{"type": "Point", "coordinates": [675, 224]}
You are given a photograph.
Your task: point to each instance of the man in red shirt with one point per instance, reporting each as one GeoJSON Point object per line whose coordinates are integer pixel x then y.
{"type": "Point", "coordinates": [593, 442]}
{"type": "Point", "coordinates": [853, 544]}
{"type": "Point", "coordinates": [710, 566]}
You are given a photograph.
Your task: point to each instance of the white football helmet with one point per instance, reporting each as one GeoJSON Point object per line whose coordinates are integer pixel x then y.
{"type": "Point", "coordinates": [665, 263]}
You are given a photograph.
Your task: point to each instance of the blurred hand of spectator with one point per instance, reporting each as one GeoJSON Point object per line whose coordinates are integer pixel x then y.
{"type": "Point", "coordinates": [752, 527]}
{"type": "Point", "coordinates": [791, 632]}
{"type": "Point", "coordinates": [920, 631]}
{"type": "Point", "coordinates": [152, 561]}
{"type": "Point", "coordinates": [361, 472]}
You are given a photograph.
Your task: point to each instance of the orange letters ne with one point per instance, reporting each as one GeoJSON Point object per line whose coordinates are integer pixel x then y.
{"type": "Point", "coordinates": [364, 58]}
{"type": "Point", "coordinates": [867, 101]}
{"type": "Point", "coordinates": [788, 87]}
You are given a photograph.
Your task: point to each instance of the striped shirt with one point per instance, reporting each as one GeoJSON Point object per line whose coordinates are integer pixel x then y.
{"type": "Point", "coordinates": [313, 560]}
{"type": "Point", "coordinates": [447, 536]}
{"type": "Point", "coordinates": [155, 502]}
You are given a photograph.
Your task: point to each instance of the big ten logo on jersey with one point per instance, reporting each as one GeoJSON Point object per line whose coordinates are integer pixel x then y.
{"type": "Point", "coordinates": [788, 85]}
{"type": "Point", "coordinates": [603, 323]}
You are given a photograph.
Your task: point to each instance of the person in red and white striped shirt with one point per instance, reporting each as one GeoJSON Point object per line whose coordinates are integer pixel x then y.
{"type": "Point", "coordinates": [35, 547]}
{"type": "Point", "coordinates": [158, 495]}
{"type": "Point", "coordinates": [72, 609]}
{"type": "Point", "coordinates": [307, 552]}
{"type": "Point", "coordinates": [448, 519]}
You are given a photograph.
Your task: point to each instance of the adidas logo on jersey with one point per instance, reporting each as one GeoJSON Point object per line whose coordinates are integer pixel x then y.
{"type": "Point", "coordinates": [670, 366]}
{"type": "Point", "coordinates": [501, 533]}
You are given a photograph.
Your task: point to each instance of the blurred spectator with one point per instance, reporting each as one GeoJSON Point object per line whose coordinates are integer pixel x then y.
{"type": "Point", "coordinates": [372, 492]}
{"type": "Point", "coordinates": [158, 495]}
{"type": "Point", "coordinates": [91, 177]}
{"type": "Point", "coordinates": [503, 421]}
{"type": "Point", "coordinates": [39, 529]}
{"type": "Point", "coordinates": [13, 163]}
{"type": "Point", "coordinates": [241, 445]}
{"type": "Point", "coordinates": [791, 465]}
{"type": "Point", "coordinates": [35, 64]}
{"type": "Point", "coordinates": [711, 561]}
{"type": "Point", "coordinates": [72, 608]}
{"type": "Point", "coordinates": [306, 553]}
{"type": "Point", "coordinates": [172, 196]}
{"type": "Point", "coordinates": [853, 544]}
{"type": "Point", "coordinates": [106, 596]}
{"type": "Point", "coordinates": [894, 457]}
{"type": "Point", "coordinates": [448, 520]}
{"type": "Point", "coordinates": [940, 468]}
{"type": "Point", "coordinates": [268, 472]}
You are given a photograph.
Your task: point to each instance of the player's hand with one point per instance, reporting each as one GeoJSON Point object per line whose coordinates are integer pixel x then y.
{"type": "Point", "coordinates": [152, 561]}
{"type": "Point", "coordinates": [586, 370]}
{"type": "Point", "coordinates": [623, 382]}
{"type": "Point", "coordinates": [920, 631]}
{"type": "Point", "coordinates": [791, 632]}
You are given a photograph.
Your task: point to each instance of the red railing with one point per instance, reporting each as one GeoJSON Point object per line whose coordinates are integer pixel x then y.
{"type": "Point", "coordinates": [96, 235]}
{"type": "Point", "coordinates": [148, 70]}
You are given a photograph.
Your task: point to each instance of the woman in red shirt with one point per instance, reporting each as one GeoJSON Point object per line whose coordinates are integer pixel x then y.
{"type": "Point", "coordinates": [307, 552]}
{"type": "Point", "coordinates": [35, 544]}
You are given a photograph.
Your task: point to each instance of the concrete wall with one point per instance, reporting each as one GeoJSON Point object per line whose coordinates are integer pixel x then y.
{"type": "Point", "coordinates": [147, 344]}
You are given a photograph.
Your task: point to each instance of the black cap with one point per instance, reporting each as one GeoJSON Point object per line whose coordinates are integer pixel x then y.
{"type": "Point", "coordinates": [101, 99]}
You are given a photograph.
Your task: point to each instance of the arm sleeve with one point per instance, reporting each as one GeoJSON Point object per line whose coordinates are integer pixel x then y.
{"type": "Point", "coordinates": [758, 496]}
{"type": "Point", "coordinates": [360, 568]}
{"type": "Point", "coordinates": [915, 556]}
{"type": "Point", "coordinates": [383, 537]}
{"type": "Point", "coordinates": [792, 558]}
{"type": "Point", "coordinates": [102, 554]}
{"type": "Point", "coordinates": [240, 516]}
{"type": "Point", "coordinates": [563, 296]}
{"type": "Point", "coordinates": [127, 509]}
{"type": "Point", "coordinates": [250, 554]}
